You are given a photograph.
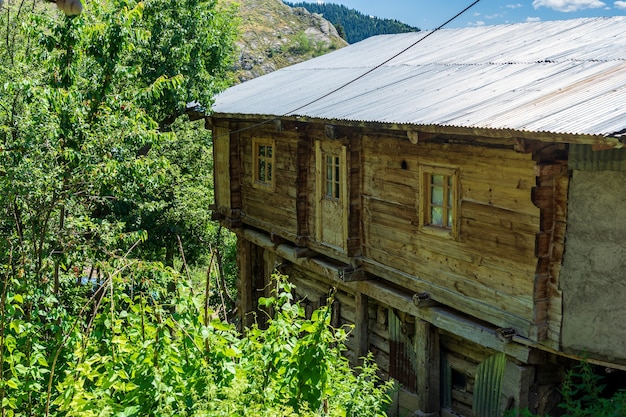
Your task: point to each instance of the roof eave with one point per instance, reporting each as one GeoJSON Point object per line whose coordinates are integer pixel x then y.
{"type": "Point", "coordinates": [599, 141]}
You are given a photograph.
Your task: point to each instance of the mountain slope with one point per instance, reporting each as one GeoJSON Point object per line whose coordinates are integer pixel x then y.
{"type": "Point", "coordinates": [274, 35]}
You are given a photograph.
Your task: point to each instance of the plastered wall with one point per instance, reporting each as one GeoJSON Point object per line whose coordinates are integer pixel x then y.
{"type": "Point", "coordinates": [593, 278]}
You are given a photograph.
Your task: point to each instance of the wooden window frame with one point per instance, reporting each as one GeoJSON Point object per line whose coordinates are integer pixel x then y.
{"type": "Point", "coordinates": [332, 176]}
{"type": "Point", "coordinates": [258, 159]}
{"type": "Point", "coordinates": [450, 205]}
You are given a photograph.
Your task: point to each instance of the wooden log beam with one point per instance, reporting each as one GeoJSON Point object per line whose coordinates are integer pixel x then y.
{"type": "Point", "coordinates": [440, 317]}
{"type": "Point", "coordinates": [428, 364]}
{"type": "Point", "coordinates": [362, 324]}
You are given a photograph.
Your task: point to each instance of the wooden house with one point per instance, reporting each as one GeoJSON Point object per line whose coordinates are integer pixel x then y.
{"type": "Point", "coordinates": [461, 189]}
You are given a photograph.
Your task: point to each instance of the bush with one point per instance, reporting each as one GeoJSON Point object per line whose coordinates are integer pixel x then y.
{"type": "Point", "coordinates": [583, 396]}
{"type": "Point", "coordinates": [137, 349]}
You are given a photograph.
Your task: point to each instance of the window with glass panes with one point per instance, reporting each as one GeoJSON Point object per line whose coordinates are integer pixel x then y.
{"type": "Point", "coordinates": [332, 177]}
{"type": "Point", "coordinates": [264, 162]}
{"type": "Point", "coordinates": [439, 203]}
{"type": "Point", "coordinates": [440, 197]}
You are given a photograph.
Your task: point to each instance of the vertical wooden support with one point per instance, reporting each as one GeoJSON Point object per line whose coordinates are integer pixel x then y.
{"type": "Point", "coordinates": [550, 195]}
{"type": "Point", "coordinates": [428, 366]}
{"type": "Point", "coordinates": [303, 190]}
{"type": "Point", "coordinates": [221, 167]}
{"type": "Point", "coordinates": [516, 387]}
{"type": "Point", "coordinates": [266, 285]}
{"type": "Point", "coordinates": [236, 171]}
{"type": "Point", "coordinates": [362, 324]}
{"type": "Point", "coordinates": [246, 291]}
{"type": "Point", "coordinates": [355, 206]}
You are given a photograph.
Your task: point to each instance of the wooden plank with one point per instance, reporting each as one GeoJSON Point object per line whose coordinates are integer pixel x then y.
{"type": "Point", "coordinates": [442, 319]}
{"type": "Point", "coordinates": [467, 260]}
{"type": "Point", "coordinates": [361, 330]}
{"type": "Point", "coordinates": [454, 290]}
{"type": "Point", "coordinates": [406, 242]}
{"type": "Point", "coordinates": [221, 166]}
{"type": "Point", "coordinates": [428, 366]}
{"type": "Point", "coordinates": [472, 351]}
{"type": "Point", "coordinates": [390, 213]}
{"type": "Point", "coordinates": [395, 234]}
{"type": "Point", "coordinates": [244, 262]}
{"type": "Point", "coordinates": [516, 387]}
{"type": "Point", "coordinates": [378, 342]}
{"type": "Point", "coordinates": [461, 364]}
{"type": "Point", "coordinates": [463, 409]}
{"type": "Point", "coordinates": [408, 401]}
{"type": "Point", "coordinates": [518, 246]}
{"type": "Point", "coordinates": [462, 397]}
{"type": "Point", "coordinates": [507, 219]}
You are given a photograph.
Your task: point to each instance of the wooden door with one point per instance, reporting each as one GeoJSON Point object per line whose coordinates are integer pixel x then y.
{"type": "Point", "coordinates": [331, 194]}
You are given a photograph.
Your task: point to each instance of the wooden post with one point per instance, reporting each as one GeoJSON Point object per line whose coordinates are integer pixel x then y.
{"type": "Point", "coordinates": [245, 279]}
{"type": "Point", "coordinates": [428, 357]}
{"type": "Point", "coordinates": [362, 324]}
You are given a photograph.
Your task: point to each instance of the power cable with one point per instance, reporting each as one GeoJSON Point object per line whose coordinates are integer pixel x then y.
{"type": "Point", "coordinates": [384, 62]}
{"type": "Point", "coordinates": [456, 16]}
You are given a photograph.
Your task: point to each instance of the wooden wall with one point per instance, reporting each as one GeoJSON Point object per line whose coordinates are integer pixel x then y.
{"type": "Point", "coordinates": [488, 272]}
{"type": "Point", "coordinates": [503, 266]}
{"type": "Point", "coordinates": [274, 211]}
{"type": "Point", "coordinates": [435, 370]}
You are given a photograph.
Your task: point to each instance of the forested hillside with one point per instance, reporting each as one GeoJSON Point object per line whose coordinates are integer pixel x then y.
{"type": "Point", "coordinates": [353, 25]}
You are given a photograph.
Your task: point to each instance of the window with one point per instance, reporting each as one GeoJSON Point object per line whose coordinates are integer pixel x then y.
{"type": "Point", "coordinates": [263, 163]}
{"type": "Point", "coordinates": [439, 200]}
{"type": "Point", "coordinates": [332, 182]}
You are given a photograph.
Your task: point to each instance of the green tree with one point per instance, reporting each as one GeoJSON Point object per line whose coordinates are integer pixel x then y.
{"type": "Point", "coordinates": [77, 113]}
{"type": "Point", "coordinates": [185, 51]}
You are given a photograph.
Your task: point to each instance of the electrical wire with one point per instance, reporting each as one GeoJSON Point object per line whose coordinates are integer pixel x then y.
{"type": "Point", "coordinates": [341, 87]}
{"type": "Point", "coordinates": [384, 62]}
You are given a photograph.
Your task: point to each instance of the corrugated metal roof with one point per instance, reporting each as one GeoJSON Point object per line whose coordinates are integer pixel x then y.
{"type": "Point", "coordinates": [566, 77]}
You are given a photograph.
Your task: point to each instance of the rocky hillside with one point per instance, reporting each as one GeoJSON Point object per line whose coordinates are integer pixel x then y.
{"type": "Point", "coordinates": [274, 35]}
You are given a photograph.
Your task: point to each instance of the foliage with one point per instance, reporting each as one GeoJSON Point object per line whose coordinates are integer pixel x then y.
{"type": "Point", "coordinates": [137, 349]}
{"type": "Point", "coordinates": [97, 165]}
{"type": "Point", "coordinates": [91, 131]}
{"type": "Point", "coordinates": [353, 25]}
{"type": "Point", "coordinates": [583, 396]}
{"type": "Point", "coordinates": [301, 44]}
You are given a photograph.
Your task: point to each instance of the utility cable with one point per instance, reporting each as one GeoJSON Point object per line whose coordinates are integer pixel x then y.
{"type": "Point", "coordinates": [384, 62]}
{"type": "Point", "coordinates": [341, 87]}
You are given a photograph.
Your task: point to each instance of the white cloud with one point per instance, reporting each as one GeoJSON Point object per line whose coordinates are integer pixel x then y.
{"type": "Point", "coordinates": [620, 5]}
{"type": "Point", "coordinates": [568, 5]}
{"type": "Point", "coordinates": [476, 23]}
{"type": "Point", "coordinates": [514, 6]}
{"type": "Point", "coordinates": [533, 19]}
{"type": "Point", "coordinates": [493, 16]}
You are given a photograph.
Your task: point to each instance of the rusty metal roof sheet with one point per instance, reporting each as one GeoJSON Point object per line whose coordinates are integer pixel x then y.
{"type": "Point", "coordinates": [564, 77]}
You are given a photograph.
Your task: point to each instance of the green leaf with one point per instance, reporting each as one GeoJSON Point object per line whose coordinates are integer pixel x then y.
{"type": "Point", "coordinates": [129, 411]}
{"type": "Point", "coordinates": [12, 383]}
{"type": "Point", "coordinates": [266, 302]}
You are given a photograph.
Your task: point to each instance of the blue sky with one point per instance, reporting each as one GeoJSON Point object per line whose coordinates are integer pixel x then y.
{"type": "Point", "coordinates": [428, 14]}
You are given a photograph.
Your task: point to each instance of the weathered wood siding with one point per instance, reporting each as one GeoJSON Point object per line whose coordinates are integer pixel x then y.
{"type": "Point", "coordinates": [274, 211]}
{"type": "Point", "coordinates": [353, 222]}
{"type": "Point", "coordinates": [489, 271]}
{"type": "Point", "coordinates": [221, 166]}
